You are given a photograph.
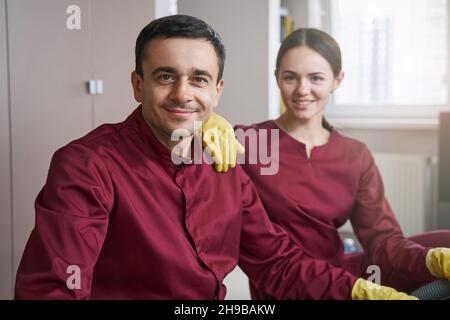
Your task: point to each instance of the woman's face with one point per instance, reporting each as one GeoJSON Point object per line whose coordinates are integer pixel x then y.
{"type": "Point", "coordinates": [306, 82]}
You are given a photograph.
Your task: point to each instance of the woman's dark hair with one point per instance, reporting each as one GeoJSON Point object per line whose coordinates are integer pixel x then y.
{"type": "Point", "coordinates": [178, 26]}
{"type": "Point", "coordinates": [319, 41]}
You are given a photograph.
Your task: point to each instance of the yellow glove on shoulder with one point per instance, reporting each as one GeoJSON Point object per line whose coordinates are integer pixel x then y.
{"type": "Point", "coordinates": [438, 262]}
{"type": "Point", "coordinates": [367, 290]}
{"type": "Point", "coordinates": [220, 140]}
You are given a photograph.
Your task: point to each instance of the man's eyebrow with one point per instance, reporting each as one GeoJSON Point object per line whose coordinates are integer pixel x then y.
{"type": "Point", "coordinates": [164, 69]}
{"type": "Point", "coordinates": [196, 72]}
{"type": "Point", "coordinates": [312, 73]}
{"type": "Point", "coordinates": [199, 72]}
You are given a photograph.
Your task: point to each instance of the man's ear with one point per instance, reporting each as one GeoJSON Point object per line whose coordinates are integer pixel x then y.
{"type": "Point", "coordinates": [136, 82]}
{"type": "Point", "coordinates": [219, 89]}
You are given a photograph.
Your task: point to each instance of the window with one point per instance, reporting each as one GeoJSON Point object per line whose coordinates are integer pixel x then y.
{"type": "Point", "coordinates": [394, 57]}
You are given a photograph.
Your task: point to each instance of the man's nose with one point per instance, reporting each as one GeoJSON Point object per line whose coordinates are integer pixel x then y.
{"type": "Point", "coordinates": [181, 91]}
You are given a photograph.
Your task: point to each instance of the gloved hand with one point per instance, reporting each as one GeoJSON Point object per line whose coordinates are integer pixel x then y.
{"type": "Point", "coordinates": [367, 290]}
{"type": "Point", "coordinates": [219, 138]}
{"type": "Point", "coordinates": [438, 262]}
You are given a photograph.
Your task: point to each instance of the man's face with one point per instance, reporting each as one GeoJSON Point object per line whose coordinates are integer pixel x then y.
{"type": "Point", "coordinates": [179, 84]}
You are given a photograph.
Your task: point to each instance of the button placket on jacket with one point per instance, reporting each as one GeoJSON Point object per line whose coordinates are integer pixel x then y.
{"type": "Point", "coordinates": [188, 193]}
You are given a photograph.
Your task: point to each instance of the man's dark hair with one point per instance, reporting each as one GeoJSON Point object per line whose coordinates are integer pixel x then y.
{"type": "Point", "coordinates": [178, 26]}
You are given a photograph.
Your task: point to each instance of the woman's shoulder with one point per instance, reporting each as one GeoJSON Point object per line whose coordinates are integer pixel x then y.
{"type": "Point", "coordinates": [268, 124]}
{"type": "Point", "coordinates": [351, 151]}
{"type": "Point", "coordinates": [348, 143]}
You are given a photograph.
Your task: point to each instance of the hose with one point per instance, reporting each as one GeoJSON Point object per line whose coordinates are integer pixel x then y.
{"type": "Point", "coordinates": [436, 290]}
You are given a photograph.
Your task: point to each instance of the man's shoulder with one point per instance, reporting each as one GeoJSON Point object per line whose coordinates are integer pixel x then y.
{"type": "Point", "coordinates": [105, 135]}
{"type": "Point", "coordinates": [103, 138]}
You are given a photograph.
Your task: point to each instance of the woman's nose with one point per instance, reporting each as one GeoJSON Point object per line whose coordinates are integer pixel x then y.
{"type": "Point", "coordinates": [303, 87]}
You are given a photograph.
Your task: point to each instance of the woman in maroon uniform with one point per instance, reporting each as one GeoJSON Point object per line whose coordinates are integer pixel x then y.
{"type": "Point", "coordinates": [326, 178]}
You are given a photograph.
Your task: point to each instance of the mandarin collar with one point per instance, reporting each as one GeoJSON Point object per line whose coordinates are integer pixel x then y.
{"type": "Point", "coordinates": [158, 151]}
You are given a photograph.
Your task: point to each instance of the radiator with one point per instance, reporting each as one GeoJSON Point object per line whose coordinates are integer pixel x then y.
{"type": "Point", "coordinates": [408, 183]}
{"type": "Point", "coordinates": [410, 187]}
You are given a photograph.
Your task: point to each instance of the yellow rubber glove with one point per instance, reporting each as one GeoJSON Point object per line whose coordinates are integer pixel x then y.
{"type": "Point", "coordinates": [438, 262]}
{"type": "Point", "coordinates": [367, 290]}
{"type": "Point", "coordinates": [220, 140]}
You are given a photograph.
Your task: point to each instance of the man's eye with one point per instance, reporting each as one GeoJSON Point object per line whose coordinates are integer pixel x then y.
{"type": "Point", "coordinates": [165, 77]}
{"type": "Point", "coordinates": [200, 80]}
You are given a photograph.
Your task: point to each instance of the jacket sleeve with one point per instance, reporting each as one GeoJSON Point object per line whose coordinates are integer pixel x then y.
{"type": "Point", "coordinates": [377, 228]}
{"type": "Point", "coordinates": [276, 265]}
{"type": "Point", "coordinates": [70, 227]}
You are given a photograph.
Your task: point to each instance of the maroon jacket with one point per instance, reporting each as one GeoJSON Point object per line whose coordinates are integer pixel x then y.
{"type": "Point", "coordinates": [140, 227]}
{"type": "Point", "coordinates": [312, 198]}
